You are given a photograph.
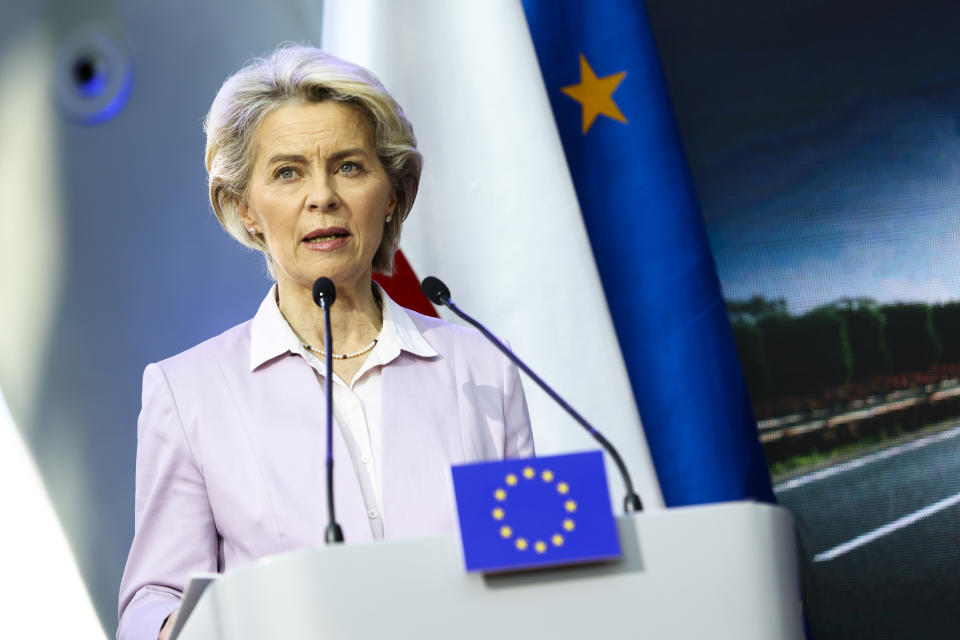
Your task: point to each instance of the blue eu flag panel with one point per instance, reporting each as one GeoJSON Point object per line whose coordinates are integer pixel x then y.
{"type": "Point", "coordinates": [535, 512]}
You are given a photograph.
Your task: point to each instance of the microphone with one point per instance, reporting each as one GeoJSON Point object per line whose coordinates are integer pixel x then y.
{"type": "Point", "coordinates": [435, 290]}
{"type": "Point", "coordinates": [438, 293]}
{"type": "Point", "coordinates": [324, 293]}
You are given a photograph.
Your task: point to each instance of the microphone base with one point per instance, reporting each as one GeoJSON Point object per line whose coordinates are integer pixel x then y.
{"type": "Point", "coordinates": [333, 534]}
{"type": "Point", "coordinates": [631, 503]}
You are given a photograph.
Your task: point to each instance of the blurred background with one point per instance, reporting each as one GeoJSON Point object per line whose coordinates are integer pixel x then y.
{"type": "Point", "coordinates": [114, 258]}
{"type": "Point", "coordinates": [822, 139]}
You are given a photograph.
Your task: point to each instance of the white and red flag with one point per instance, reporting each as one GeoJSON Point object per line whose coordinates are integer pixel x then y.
{"type": "Point", "coordinates": [497, 217]}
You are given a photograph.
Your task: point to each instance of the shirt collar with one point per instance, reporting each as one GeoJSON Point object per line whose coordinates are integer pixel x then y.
{"type": "Point", "coordinates": [271, 335]}
{"type": "Point", "coordinates": [399, 332]}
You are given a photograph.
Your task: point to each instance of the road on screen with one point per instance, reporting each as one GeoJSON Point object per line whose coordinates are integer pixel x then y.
{"type": "Point", "coordinates": [880, 538]}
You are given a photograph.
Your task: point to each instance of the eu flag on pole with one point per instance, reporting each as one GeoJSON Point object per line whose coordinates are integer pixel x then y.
{"type": "Point", "coordinates": [534, 512]}
{"type": "Point", "coordinates": [609, 100]}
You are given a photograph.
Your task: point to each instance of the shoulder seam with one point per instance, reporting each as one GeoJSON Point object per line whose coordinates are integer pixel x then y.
{"type": "Point", "coordinates": [176, 406]}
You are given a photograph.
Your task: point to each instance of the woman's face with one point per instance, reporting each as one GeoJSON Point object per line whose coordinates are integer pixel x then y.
{"type": "Point", "coordinates": [318, 194]}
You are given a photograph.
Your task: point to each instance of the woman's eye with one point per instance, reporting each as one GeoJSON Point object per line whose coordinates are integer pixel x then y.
{"type": "Point", "coordinates": [350, 167]}
{"type": "Point", "coordinates": [286, 173]}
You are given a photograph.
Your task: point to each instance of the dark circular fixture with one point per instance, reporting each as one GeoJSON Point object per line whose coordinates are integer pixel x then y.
{"type": "Point", "coordinates": [94, 76]}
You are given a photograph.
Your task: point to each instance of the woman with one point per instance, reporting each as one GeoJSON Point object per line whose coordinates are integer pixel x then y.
{"type": "Point", "coordinates": [313, 163]}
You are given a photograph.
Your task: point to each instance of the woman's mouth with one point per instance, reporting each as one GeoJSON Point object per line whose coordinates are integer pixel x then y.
{"type": "Point", "coordinates": [326, 239]}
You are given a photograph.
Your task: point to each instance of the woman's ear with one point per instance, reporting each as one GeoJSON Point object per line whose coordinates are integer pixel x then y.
{"type": "Point", "coordinates": [243, 211]}
{"type": "Point", "coordinates": [247, 217]}
{"type": "Point", "coordinates": [392, 201]}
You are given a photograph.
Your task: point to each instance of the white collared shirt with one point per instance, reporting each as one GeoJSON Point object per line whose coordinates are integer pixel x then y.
{"type": "Point", "coordinates": [357, 405]}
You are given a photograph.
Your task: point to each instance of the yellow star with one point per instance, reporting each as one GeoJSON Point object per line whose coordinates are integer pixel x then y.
{"type": "Point", "coordinates": [568, 525]}
{"type": "Point", "coordinates": [511, 479]}
{"type": "Point", "coordinates": [528, 472]}
{"type": "Point", "coordinates": [521, 544]}
{"type": "Point", "coordinates": [540, 546]}
{"type": "Point", "coordinates": [500, 495]}
{"type": "Point", "coordinates": [497, 514]}
{"type": "Point", "coordinates": [595, 94]}
{"type": "Point", "coordinates": [505, 531]}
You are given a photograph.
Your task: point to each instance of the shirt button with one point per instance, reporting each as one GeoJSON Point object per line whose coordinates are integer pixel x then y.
{"type": "Point", "coordinates": [372, 513]}
{"type": "Point", "coordinates": [365, 458]}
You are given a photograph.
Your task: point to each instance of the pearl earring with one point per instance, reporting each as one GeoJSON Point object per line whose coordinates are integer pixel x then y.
{"type": "Point", "coordinates": [389, 219]}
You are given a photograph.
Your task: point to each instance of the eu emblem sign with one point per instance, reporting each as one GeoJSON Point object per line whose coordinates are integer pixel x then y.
{"type": "Point", "coordinates": [533, 512]}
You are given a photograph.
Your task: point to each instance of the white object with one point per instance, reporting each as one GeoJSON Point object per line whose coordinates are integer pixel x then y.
{"type": "Point", "coordinates": [195, 588]}
{"type": "Point", "coordinates": [38, 568]}
{"type": "Point", "coordinates": [723, 571]}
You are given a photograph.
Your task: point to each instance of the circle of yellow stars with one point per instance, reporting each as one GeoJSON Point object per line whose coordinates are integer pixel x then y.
{"type": "Point", "coordinates": [567, 525]}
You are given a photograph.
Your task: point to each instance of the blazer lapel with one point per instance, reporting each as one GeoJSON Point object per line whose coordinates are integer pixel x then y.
{"type": "Point", "coordinates": [290, 439]}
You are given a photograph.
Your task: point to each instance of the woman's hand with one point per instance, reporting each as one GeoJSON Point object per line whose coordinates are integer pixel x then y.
{"type": "Point", "coordinates": [168, 625]}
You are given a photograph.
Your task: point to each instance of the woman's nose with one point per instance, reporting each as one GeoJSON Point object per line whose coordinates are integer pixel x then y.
{"type": "Point", "coordinates": [323, 194]}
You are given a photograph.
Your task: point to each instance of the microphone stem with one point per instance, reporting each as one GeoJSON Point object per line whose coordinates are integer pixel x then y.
{"type": "Point", "coordinates": [333, 533]}
{"type": "Point", "coordinates": [631, 501]}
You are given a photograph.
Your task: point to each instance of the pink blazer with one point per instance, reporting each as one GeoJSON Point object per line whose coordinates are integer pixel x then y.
{"type": "Point", "coordinates": [230, 461]}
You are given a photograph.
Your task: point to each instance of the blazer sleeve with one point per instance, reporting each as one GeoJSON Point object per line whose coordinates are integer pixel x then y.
{"type": "Point", "coordinates": [516, 420]}
{"type": "Point", "coordinates": [174, 531]}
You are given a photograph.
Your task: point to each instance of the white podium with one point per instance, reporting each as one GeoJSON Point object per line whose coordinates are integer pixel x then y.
{"type": "Point", "coordinates": [708, 572]}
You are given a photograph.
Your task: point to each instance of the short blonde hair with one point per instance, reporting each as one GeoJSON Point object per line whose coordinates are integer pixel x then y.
{"type": "Point", "coordinates": [299, 73]}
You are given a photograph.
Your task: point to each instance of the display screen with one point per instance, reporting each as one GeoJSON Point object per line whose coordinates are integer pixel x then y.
{"type": "Point", "coordinates": [823, 142]}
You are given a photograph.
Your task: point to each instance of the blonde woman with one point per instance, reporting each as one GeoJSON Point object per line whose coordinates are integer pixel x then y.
{"type": "Point", "coordinates": [313, 163]}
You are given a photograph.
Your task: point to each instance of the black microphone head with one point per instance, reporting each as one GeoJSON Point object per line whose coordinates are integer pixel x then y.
{"type": "Point", "coordinates": [435, 290]}
{"type": "Point", "coordinates": [324, 293]}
